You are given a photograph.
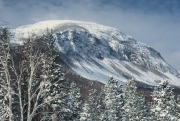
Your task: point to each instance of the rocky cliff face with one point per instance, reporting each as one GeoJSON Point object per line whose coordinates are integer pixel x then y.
{"type": "Point", "coordinates": [94, 52]}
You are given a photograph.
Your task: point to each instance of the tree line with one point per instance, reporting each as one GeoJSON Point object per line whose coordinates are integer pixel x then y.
{"type": "Point", "coordinates": [33, 88]}
{"type": "Point", "coordinates": [123, 103]}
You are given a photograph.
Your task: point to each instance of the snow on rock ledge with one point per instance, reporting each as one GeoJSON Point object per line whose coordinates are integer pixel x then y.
{"type": "Point", "coordinates": [96, 51]}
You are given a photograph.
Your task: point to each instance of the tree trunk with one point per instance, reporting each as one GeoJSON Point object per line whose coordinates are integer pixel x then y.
{"type": "Point", "coordinates": [29, 97]}
{"type": "Point", "coordinates": [9, 93]}
{"type": "Point", "coordinates": [20, 100]}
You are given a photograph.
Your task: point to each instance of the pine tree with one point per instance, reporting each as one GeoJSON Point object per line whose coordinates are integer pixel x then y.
{"type": "Point", "coordinates": [89, 110]}
{"type": "Point", "coordinates": [135, 108]}
{"type": "Point", "coordinates": [178, 105]}
{"type": "Point", "coordinates": [121, 101]}
{"type": "Point", "coordinates": [74, 103]}
{"type": "Point", "coordinates": [100, 104]}
{"type": "Point", "coordinates": [164, 107]}
{"type": "Point", "coordinates": [86, 115]}
{"type": "Point", "coordinates": [112, 101]}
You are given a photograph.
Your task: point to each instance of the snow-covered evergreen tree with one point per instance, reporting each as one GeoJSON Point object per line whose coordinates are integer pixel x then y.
{"type": "Point", "coordinates": [121, 101]}
{"type": "Point", "coordinates": [86, 114]}
{"type": "Point", "coordinates": [112, 101]}
{"type": "Point", "coordinates": [89, 110]}
{"type": "Point", "coordinates": [100, 104]}
{"type": "Point", "coordinates": [164, 107]}
{"type": "Point", "coordinates": [178, 105]}
{"type": "Point", "coordinates": [135, 108]}
{"type": "Point", "coordinates": [74, 103]}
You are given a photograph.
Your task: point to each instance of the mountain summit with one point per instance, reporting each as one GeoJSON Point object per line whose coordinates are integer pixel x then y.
{"type": "Point", "coordinates": [95, 52]}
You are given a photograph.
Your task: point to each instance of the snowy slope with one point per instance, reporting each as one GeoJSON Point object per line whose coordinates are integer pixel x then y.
{"type": "Point", "coordinates": [95, 51]}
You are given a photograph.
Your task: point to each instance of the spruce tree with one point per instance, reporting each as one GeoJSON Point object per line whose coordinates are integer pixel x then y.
{"type": "Point", "coordinates": [74, 103]}
{"type": "Point", "coordinates": [121, 101]}
{"type": "Point", "coordinates": [100, 104]}
{"type": "Point", "coordinates": [178, 105]}
{"type": "Point", "coordinates": [111, 101]}
{"type": "Point", "coordinates": [135, 108]}
{"type": "Point", "coordinates": [164, 107]}
{"type": "Point", "coordinates": [89, 109]}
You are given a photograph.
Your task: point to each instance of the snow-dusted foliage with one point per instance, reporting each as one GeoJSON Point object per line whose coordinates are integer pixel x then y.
{"type": "Point", "coordinates": [46, 87]}
{"type": "Point", "coordinates": [178, 104]}
{"type": "Point", "coordinates": [112, 101]}
{"type": "Point", "coordinates": [34, 88]}
{"type": "Point", "coordinates": [6, 67]}
{"type": "Point", "coordinates": [89, 109]}
{"type": "Point", "coordinates": [74, 103]}
{"type": "Point", "coordinates": [135, 108]}
{"type": "Point", "coordinates": [164, 107]}
{"type": "Point", "coordinates": [86, 115]}
{"type": "Point", "coordinates": [116, 103]}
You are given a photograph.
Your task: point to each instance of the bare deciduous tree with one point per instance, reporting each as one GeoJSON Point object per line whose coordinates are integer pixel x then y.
{"type": "Point", "coordinates": [35, 86]}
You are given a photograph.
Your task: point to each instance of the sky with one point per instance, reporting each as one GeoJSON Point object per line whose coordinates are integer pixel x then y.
{"type": "Point", "coordinates": [153, 22]}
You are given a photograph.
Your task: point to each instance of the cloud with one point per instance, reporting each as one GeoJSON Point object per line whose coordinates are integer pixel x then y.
{"type": "Point", "coordinates": [155, 23]}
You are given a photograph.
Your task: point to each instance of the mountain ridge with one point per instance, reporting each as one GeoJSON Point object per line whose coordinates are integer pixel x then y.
{"type": "Point", "coordinates": [95, 51]}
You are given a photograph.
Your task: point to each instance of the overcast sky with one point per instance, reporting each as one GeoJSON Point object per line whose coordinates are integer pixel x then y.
{"type": "Point", "coordinates": [153, 22]}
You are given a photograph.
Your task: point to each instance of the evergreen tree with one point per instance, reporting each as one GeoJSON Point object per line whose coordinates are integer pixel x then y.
{"type": "Point", "coordinates": [135, 108]}
{"type": "Point", "coordinates": [74, 103]}
{"type": "Point", "coordinates": [121, 101]}
{"type": "Point", "coordinates": [100, 104]}
{"type": "Point", "coordinates": [164, 107]}
{"type": "Point", "coordinates": [112, 101]}
{"type": "Point", "coordinates": [89, 112]}
{"type": "Point", "coordinates": [86, 115]}
{"type": "Point", "coordinates": [178, 105]}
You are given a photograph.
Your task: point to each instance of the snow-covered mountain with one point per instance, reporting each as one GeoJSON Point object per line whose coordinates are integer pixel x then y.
{"type": "Point", "coordinates": [95, 51]}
